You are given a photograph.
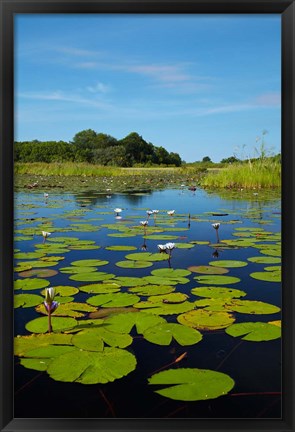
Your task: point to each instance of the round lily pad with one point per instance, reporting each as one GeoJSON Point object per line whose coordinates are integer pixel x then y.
{"type": "Point", "coordinates": [124, 322]}
{"type": "Point", "coordinates": [157, 280]}
{"type": "Point", "coordinates": [30, 284]}
{"type": "Point", "coordinates": [89, 263]}
{"type": "Point", "coordinates": [171, 273]}
{"type": "Point", "coordinates": [134, 264]}
{"type": "Point", "coordinates": [64, 291]}
{"type": "Point", "coordinates": [184, 245]}
{"type": "Point", "coordinates": [206, 320]}
{"type": "Point", "coordinates": [42, 273]}
{"type": "Point", "coordinates": [28, 255]}
{"type": "Point", "coordinates": [22, 267]}
{"type": "Point", "coordinates": [23, 344]}
{"type": "Point", "coordinates": [254, 307]}
{"type": "Point", "coordinates": [168, 298]}
{"type": "Point", "coordinates": [41, 263]}
{"type": "Point", "coordinates": [130, 281]}
{"type": "Point", "coordinates": [121, 248]}
{"type": "Point", "coordinates": [91, 277]}
{"type": "Point", "coordinates": [76, 269]}
{"type": "Point", "coordinates": [148, 290]}
{"type": "Point", "coordinates": [228, 263]}
{"type": "Point", "coordinates": [88, 367]}
{"type": "Point", "coordinates": [161, 308]}
{"type": "Point", "coordinates": [254, 331]}
{"type": "Point", "coordinates": [40, 325]}
{"type": "Point", "coordinates": [69, 309]}
{"type": "Point", "coordinates": [216, 292]}
{"type": "Point", "coordinates": [192, 384]}
{"type": "Point", "coordinates": [265, 260]}
{"type": "Point", "coordinates": [27, 300]}
{"type": "Point", "coordinates": [94, 339]}
{"type": "Point", "coordinates": [147, 256]}
{"type": "Point", "coordinates": [163, 334]}
{"type": "Point", "coordinates": [217, 280]}
{"type": "Point", "coordinates": [267, 276]}
{"type": "Point", "coordinates": [102, 288]}
{"type": "Point", "coordinates": [208, 269]}
{"type": "Point", "coordinates": [113, 300]}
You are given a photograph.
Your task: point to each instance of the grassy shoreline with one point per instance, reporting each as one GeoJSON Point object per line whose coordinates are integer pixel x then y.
{"type": "Point", "coordinates": [262, 174]}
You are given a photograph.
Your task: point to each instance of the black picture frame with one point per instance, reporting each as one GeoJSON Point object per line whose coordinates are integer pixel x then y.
{"type": "Point", "coordinates": [8, 8]}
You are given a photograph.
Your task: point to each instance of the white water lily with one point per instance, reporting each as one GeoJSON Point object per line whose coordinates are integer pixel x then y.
{"type": "Point", "coordinates": [144, 223]}
{"type": "Point", "coordinates": [155, 211]}
{"type": "Point", "coordinates": [216, 225]}
{"type": "Point", "coordinates": [49, 295]}
{"type": "Point", "coordinates": [170, 246]}
{"type": "Point", "coordinates": [162, 248]}
{"type": "Point", "coordinates": [149, 212]}
{"type": "Point", "coordinates": [46, 195]}
{"type": "Point", "coordinates": [46, 234]}
{"type": "Point", "coordinates": [117, 211]}
{"type": "Point", "coordinates": [171, 212]}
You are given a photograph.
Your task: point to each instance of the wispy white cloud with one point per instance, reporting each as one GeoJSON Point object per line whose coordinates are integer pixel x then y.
{"type": "Point", "coordinates": [99, 88]}
{"type": "Point", "coordinates": [268, 99]}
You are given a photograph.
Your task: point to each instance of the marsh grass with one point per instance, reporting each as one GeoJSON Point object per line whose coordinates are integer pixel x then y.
{"type": "Point", "coordinates": [260, 174]}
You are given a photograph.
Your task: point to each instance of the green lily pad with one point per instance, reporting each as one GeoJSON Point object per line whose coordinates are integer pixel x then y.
{"type": "Point", "coordinates": [124, 322]}
{"type": "Point", "coordinates": [133, 264]}
{"type": "Point", "coordinates": [206, 320]}
{"type": "Point", "coordinates": [64, 291]}
{"type": "Point", "coordinates": [254, 307]}
{"type": "Point", "coordinates": [22, 267]}
{"type": "Point", "coordinates": [89, 263]}
{"type": "Point", "coordinates": [216, 292]}
{"type": "Point", "coordinates": [228, 263]}
{"type": "Point", "coordinates": [184, 245]}
{"type": "Point", "coordinates": [40, 325]}
{"type": "Point", "coordinates": [272, 252]}
{"type": "Point", "coordinates": [94, 339]}
{"type": "Point", "coordinates": [161, 308]}
{"type": "Point", "coordinates": [83, 247]}
{"type": "Point", "coordinates": [208, 269]}
{"type": "Point", "coordinates": [88, 367]}
{"type": "Point", "coordinates": [254, 331]}
{"type": "Point", "coordinates": [168, 298]}
{"type": "Point", "coordinates": [121, 248]}
{"type": "Point", "coordinates": [30, 284]}
{"type": "Point", "coordinates": [91, 277]}
{"type": "Point", "coordinates": [28, 255]}
{"type": "Point", "coordinates": [27, 300]}
{"type": "Point", "coordinates": [36, 363]}
{"type": "Point", "coordinates": [165, 237]}
{"type": "Point", "coordinates": [147, 256]}
{"type": "Point", "coordinates": [23, 344]}
{"type": "Point", "coordinates": [273, 268]}
{"type": "Point", "coordinates": [267, 276]}
{"type": "Point", "coordinates": [41, 263]}
{"type": "Point", "coordinates": [103, 288]}
{"type": "Point", "coordinates": [156, 280]}
{"type": "Point", "coordinates": [76, 270]}
{"type": "Point", "coordinates": [171, 273]}
{"type": "Point", "coordinates": [148, 290]}
{"type": "Point", "coordinates": [42, 273]}
{"type": "Point", "coordinates": [217, 280]}
{"type": "Point", "coordinates": [192, 384]}
{"type": "Point", "coordinates": [71, 309]}
{"type": "Point", "coordinates": [163, 334]}
{"type": "Point", "coordinates": [265, 260]}
{"type": "Point", "coordinates": [113, 300]}
{"type": "Point", "coordinates": [130, 281]}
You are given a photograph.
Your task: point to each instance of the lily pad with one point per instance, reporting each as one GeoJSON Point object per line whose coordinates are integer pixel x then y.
{"type": "Point", "coordinates": [267, 276]}
{"type": "Point", "coordinates": [64, 291]}
{"type": "Point", "coordinates": [206, 320]}
{"type": "Point", "coordinates": [208, 269]}
{"type": "Point", "coordinates": [91, 277]}
{"type": "Point", "coordinates": [43, 273]}
{"type": "Point", "coordinates": [161, 308]}
{"type": "Point", "coordinates": [133, 264]}
{"type": "Point", "coordinates": [121, 248]}
{"type": "Point", "coordinates": [23, 344]}
{"type": "Point", "coordinates": [130, 281]}
{"type": "Point", "coordinates": [41, 263]}
{"type": "Point", "coordinates": [254, 331]}
{"type": "Point", "coordinates": [113, 300]}
{"type": "Point", "coordinates": [192, 384]}
{"type": "Point", "coordinates": [123, 323]}
{"type": "Point", "coordinates": [71, 309]}
{"type": "Point", "coordinates": [40, 325]}
{"type": "Point", "coordinates": [217, 280]}
{"type": "Point", "coordinates": [265, 260]}
{"type": "Point", "coordinates": [102, 288]}
{"type": "Point", "coordinates": [157, 280]}
{"type": "Point", "coordinates": [171, 273]}
{"type": "Point", "coordinates": [216, 292]}
{"type": "Point", "coordinates": [147, 256]}
{"type": "Point", "coordinates": [30, 284]}
{"type": "Point", "coordinates": [88, 367]}
{"type": "Point", "coordinates": [163, 334]}
{"type": "Point", "coordinates": [94, 339]}
{"type": "Point", "coordinates": [184, 245]}
{"type": "Point", "coordinates": [27, 300]}
{"type": "Point", "coordinates": [76, 269]}
{"type": "Point", "coordinates": [28, 255]}
{"type": "Point", "coordinates": [89, 263]}
{"type": "Point", "coordinates": [228, 263]}
{"type": "Point", "coordinates": [148, 290]}
{"type": "Point", "coordinates": [168, 298]}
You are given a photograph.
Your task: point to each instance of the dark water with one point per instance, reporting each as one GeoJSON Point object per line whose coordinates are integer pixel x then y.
{"type": "Point", "coordinates": [254, 366]}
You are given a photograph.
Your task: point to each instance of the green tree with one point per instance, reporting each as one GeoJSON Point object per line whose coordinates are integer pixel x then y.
{"type": "Point", "coordinates": [206, 159]}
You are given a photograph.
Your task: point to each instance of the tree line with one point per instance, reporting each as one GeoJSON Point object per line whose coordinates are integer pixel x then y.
{"type": "Point", "coordinates": [97, 148]}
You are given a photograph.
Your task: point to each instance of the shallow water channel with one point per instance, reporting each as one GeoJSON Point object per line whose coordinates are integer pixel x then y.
{"type": "Point", "coordinates": [127, 313]}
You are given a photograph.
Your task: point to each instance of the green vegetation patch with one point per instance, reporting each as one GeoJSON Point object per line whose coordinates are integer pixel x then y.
{"type": "Point", "coordinates": [69, 309]}
{"type": "Point", "coordinates": [113, 300]}
{"type": "Point", "coordinates": [217, 280]}
{"type": "Point", "coordinates": [265, 260]}
{"type": "Point", "coordinates": [40, 325]}
{"type": "Point", "coordinates": [124, 322]}
{"type": "Point", "coordinates": [255, 331]}
{"type": "Point", "coordinates": [206, 320]}
{"type": "Point", "coordinates": [163, 334]}
{"type": "Point", "coordinates": [208, 269]}
{"type": "Point", "coordinates": [134, 264]}
{"type": "Point", "coordinates": [219, 293]}
{"type": "Point", "coordinates": [148, 290]}
{"type": "Point", "coordinates": [147, 256]}
{"type": "Point", "coordinates": [121, 248]}
{"type": "Point", "coordinates": [192, 384]}
{"type": "Point", "coordinates": [267, 276]}
{"type": "Point", "coordinates": [41, 273]}
{"type": "Point", "coordinates": [30, 284]}
{"type": "Point", "coordinates": [89, 263]}
{"type": "Point", "coordinates": [228, 263]}
{"type": "Point", "coordinates": [91, 276]}
{"type": "Point", "coordinates": [102, 288]}
{"type": "Point", "coordinates": [94, 339]}
{"type": "Point", "coordinates": [27, 300]}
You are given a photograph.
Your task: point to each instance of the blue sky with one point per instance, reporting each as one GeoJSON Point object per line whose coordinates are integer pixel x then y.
{"type": "Point", "coordinates": [198, 85]}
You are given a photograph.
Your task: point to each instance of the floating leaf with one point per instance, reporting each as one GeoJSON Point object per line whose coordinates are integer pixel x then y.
{"type": "Point", "coordinates": [123, 323]}
{"type": "Point", "coordinates": [184, 245]}
{"type": "Point", "coordinates": [83, 247]}
{"type": "Point", "coordinates": [40, 325]}
{"type": "Point", "coordinates": [171, 273]}
{"type": "Point", "coordinates": [133, 264]}
{"type": "Point", "coordinates": [148, 290]}
{"type": "Point", "coordinates": [161, 308]}
{"type": "Point", "coordinates": [71, 309]}
{"type": "Point", "coordinates": [103, 288]}
{"type": "Point", "coordinates": [91, 277]}
{"type": "Point", "coordinates": [89, 263]}
{"type": "Point", "coordinates": [27, 300]}
{"type": "Point", "coordinates": [121, 248]}
{"type": "Point", "coordinates": [147, 256]}
{"type": "Point", "coordinates": [163, 334]}
{"type": "Point", "coordinates": [75, 269]}
{"type": "Point", "coordinates": [208, 269]}
{"type": "Point", "coordinates": [217, 280]}
{"type": "Point", "coordinates": [88, 367]}
{"type": "Point", "coordinates": [228, 263]}
{"type": "Point", "coordinates": [30, 284]}
{"type": "Point", "coordinates": [130, 281]}
{"type": "Point", "coordinates": [192, 384]}
{"type": "Point", "coordinates": [254, 307]}
{"type": "Point", "coordinates": [64, 291]}
{"type": "Point", "coordinates": [216, 292]}
{"type": "Point", "coordinates": [156, 280]}
{"type": "Point", "coordinates": [94, 339]}
{"type": "Point", "coordinates": [43, 273]}
{"type": "Point", "coordinates": [267, 276]}
{"type": "Point", "coordinates": [106, 312]}
{"type": "Point", "coordinates": [206, 320]}
{"type": "Point", "coordinates": [28, 255]}
{"type": "Point", "coordinates": [41, 263]}
{"type": "Point", "coordinates": [113, 300]}
{"type": "Point", "coordinates": [22, 344]}
{"type": "Point", "coordinates": [265, 260]}
{"type": "Point", "coordinates": [168, 298]}
{"type": "Point", "coordinates": [22, 267]}
{"type": "Point", "coordinates": [254, 331]}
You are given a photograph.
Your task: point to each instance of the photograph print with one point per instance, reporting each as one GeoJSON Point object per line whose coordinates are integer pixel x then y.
{"type": "Point", "coordinates": [147, 216]}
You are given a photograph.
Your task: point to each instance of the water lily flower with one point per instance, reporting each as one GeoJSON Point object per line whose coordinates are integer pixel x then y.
{"type": "Point", "coordinates": [46, 195]}
{"type": "Point", "coordinates": [170, 246]}
{"type": "Point", "coordinates": [49, 295]}
{"type": "Point", "coordinates": [162, 248]}
{"type": "Point", "coordinates": [155, 211]}
{"type": "Point", "coordinates": [216, 225]}
{"type": "Point", "coordinates": [50, 305]}
{"type": "Point", "coordinates": [171, 212]}
{"type": "Point", "coordinates": [46, 234]}
{"type": "Point", "coordinates": [149, 212]}
{"type": "Point", "coordinates": [50, 308]}
{"type": "Point", "coordinates": [144, 223]}
{"type": "Point", "coordinates": [117, 211]}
